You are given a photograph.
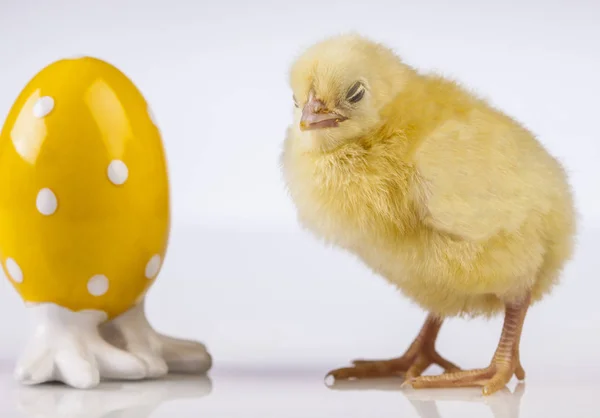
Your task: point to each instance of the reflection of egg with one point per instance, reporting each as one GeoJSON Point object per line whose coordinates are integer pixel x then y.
{"type": "Point", "coordinates": [84, 196]}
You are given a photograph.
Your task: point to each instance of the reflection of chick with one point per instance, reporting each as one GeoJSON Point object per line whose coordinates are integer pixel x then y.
{"type": "Point", "coordinates": [504, 403]}
{"type": "Point", "coordinates": [452, 201]}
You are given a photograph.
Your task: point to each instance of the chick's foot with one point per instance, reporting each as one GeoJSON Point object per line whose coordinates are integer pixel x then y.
{"type": "Point", "coordinates": [505, 363]}
{"type": "Point", "coordinates": [420, 355]}
{"type": "Point", "coordinates": [162, 354]}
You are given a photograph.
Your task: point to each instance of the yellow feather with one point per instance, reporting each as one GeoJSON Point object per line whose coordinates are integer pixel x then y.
{"type": "Point", "coordinates": [449, 199]}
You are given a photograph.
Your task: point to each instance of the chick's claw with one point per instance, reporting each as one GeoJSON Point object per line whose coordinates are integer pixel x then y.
{"type": "Point", "coordinates": [420, 355]}
{"type": "Point", "coordinates": [492, 378]}
{"type": "Point", "coordinates": [408, 366]}
{"type": "Point", "coordinates": [375, 369]}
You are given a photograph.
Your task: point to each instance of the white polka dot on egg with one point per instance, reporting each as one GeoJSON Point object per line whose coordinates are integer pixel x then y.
{"type": "Point", "coordinates": [43, 106]}
{"type": "Point", "coordinates": [152, 267]}
{"type": "Point", "coordinates": [118, 172]}
{"type": "Point", "coordinates": [97, 285]}
{"type": "Point", "coordinates": [14, 271]}
{"type": "Point", "coordinates": [46, 202]}
{"type": "Point", "coordinates": [152, 117]}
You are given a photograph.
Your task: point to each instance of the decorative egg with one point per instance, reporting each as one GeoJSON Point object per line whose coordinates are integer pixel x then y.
{"type": "Point", "coordinates": [84, 194]}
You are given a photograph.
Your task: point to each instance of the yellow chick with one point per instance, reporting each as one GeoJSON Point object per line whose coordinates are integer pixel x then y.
{"type": "Point", "coordinates": [452, 201]}
{"type": "Point", "coordinates": [85, 217]}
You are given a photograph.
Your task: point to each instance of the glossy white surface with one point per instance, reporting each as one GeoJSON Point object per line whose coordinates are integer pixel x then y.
{"type": "Point", "coordinates": [293, 393]}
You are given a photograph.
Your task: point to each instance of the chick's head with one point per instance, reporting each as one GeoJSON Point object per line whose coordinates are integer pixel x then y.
{"type": "Point", "coordinates": [340, 87]}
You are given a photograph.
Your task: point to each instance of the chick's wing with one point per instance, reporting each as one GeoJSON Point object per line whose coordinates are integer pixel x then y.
{"type": "Point", "coordinates": [475, 179]}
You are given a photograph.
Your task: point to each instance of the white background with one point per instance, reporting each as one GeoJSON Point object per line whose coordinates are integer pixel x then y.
{"type": "Point", "coordinates": [240, 275]}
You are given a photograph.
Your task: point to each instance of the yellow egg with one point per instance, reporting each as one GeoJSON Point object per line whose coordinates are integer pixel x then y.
{"type": "Point", "coordinates": [84, 194]}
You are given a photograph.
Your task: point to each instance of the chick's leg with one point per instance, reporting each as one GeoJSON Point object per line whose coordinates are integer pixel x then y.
{"type": "Point", "coordinates": [420, 355]}
{"type": "Point", "coordinates": [504, 364]}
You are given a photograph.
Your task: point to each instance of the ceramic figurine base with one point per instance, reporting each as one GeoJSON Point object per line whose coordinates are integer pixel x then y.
{"type": "Point", "coordinates": [132, 332]}
{"type": "Point", "coordinates": [80, 348]}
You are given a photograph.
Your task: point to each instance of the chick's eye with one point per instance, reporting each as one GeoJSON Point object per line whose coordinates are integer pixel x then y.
{"type": "Point", "coordinates": [356, 92]}
{"type": "Point", "coordinates": [295, 101]}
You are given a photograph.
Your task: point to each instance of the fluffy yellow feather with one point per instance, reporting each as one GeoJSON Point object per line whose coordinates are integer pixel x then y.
{"type": "Point", "coordinates": [442, 194]}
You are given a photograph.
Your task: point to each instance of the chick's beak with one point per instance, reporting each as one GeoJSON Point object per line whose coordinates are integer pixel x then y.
{"type": "Point", "coordinates": [315, 115]}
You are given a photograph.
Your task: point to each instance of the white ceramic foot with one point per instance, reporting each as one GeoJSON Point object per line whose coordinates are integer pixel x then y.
{"type": "Point", "coordinates": [132, 332]}
{"type": "Point", "coordinates": [66, 346]}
